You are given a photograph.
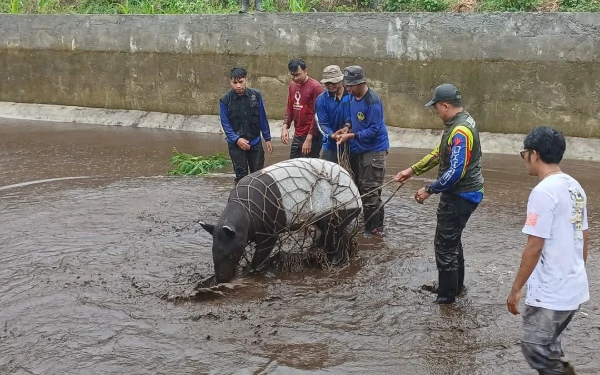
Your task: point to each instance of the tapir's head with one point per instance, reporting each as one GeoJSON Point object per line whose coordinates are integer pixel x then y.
{"type": "Point", "coordinates": [230, 237]}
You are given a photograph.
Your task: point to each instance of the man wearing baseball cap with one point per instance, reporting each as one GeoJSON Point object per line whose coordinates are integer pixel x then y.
{"type": "Point", "coordinates": [459, 183]}
{"type": "Point", "coordinates": [369, 144]}
{"type": "Point", "coordinates": [331, 110]}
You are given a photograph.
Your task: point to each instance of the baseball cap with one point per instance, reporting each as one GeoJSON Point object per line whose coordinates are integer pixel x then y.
{"type": "Point", "coordinates": [444, 92]}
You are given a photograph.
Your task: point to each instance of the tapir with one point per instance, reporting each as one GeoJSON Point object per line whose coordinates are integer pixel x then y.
{"type": "Point", "coordinates": [283, 196]}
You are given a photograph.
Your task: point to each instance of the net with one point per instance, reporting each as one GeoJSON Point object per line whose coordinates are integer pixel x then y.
{"type": "Point", "coordinates": [307, 210]}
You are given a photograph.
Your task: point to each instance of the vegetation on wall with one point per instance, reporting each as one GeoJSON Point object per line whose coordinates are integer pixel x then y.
{"type": "Point", "coordinates": [231, 6]}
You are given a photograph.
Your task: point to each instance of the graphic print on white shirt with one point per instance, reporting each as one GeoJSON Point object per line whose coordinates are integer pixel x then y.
{"type": "Point", "coordinates": [577, 212]}
{"type": "Point", "coordinates": [556, 211]}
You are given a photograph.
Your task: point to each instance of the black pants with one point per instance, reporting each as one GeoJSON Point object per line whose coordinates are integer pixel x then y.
{"type": "Point", "coordinates": [296, 148]}
{"type": "Point", "coordinates": [452, 215]}
{"type": "Point", "coordinates": [369, 172]}
{"type": "Point", "coordinates": [253, 159]}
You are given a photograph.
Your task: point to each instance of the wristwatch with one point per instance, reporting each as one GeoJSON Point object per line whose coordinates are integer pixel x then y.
{"type": "Point", "coordinates": [428, 189]}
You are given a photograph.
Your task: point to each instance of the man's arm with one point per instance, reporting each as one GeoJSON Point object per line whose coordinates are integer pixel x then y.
{"type": "Point", "coordinates": [374, 118]}
{"type": "Point", "coordinates": [322, 119]}
{"type": "Point", "coordinates": [231, 135]}
{"type": "Point", "coordinates": [529, 259]}
{"type": "Point", "coordinates": [585, 245]}
{"type": "Point", "coordinates": [289, 109]}
{"type": "Point", "coordinates": [538, 225]}
{"type": "Point", "coordinates": [264, 122]}
{"type": "Point", "coordinates": [317, 89]}
{"type": "Point", "coordinates": [430, 161]}
{"type": "Point", "coordinates": [461, 143]}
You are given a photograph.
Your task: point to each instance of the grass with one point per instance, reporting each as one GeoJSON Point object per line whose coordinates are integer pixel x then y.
{"type": "Point", "coordinates": [187, 165]}
{"type": "Point", "coordinates": [232, 6]}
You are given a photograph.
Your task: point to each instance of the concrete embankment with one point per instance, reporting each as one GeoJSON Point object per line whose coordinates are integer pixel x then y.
{"type": "Point", "coordinates": [515, 70]}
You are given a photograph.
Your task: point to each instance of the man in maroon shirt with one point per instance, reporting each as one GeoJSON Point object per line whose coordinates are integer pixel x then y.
{"type": "Point", "coordinates": [302, 93]}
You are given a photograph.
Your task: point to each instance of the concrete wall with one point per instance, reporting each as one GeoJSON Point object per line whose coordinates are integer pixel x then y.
{"type": "Point", "coordinates": [516, 70]}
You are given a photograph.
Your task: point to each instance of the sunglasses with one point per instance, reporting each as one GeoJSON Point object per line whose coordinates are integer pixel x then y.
{"type": "Point", "coordinates": [523, 152]}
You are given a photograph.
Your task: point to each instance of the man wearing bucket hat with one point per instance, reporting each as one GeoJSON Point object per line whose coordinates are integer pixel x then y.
{"type": "Point", "coordinates": [331, 110]}
{"type": "Point", "coordinates": [459, 183]}
{"type": "Point", "coordinates": [369, 144]}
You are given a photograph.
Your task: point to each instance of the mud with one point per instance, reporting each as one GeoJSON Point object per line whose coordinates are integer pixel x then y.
{"type": "Point", "coordinates": [84, 262]}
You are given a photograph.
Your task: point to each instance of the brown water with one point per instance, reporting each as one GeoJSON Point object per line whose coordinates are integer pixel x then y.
{"type": "Point", "coordinates": [83, 263]}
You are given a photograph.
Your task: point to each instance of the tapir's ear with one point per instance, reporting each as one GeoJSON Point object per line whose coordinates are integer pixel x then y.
{"type": "Point", "coordinates": [208, 227]}
{"type": "Point", "coordinates": [229, 230]}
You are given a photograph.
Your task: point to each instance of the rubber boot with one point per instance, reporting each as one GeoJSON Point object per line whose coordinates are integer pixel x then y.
{"type": "Point", "coordinates": [461, 268]}
{"type": "Point", "coordinates": [461, 279]}
{"type": "Point", "coordinates": [568, 369]}
{"type": "Point", "coordinates": [447, 287]}
{"type": "Point", "coordinates": [370, 224]}
{"type": "Point", "coordinates": [244, 6]}
{"type": "Point", "coordinates": [259, 7]}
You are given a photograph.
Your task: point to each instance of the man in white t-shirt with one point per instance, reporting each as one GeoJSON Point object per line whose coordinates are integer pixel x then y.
{"type": "Point", "coordinates": [553, 262]}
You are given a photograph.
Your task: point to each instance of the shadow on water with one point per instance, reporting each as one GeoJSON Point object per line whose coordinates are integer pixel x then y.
{"type": "Point", "coordinates": [85, 262]}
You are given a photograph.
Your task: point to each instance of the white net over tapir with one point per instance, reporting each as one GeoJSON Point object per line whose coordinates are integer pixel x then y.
{"type": "Point", "coordinates": [310, 187]}
{"type": "Point", "coordinates": [294, 211]}
{"type": "Point", "coordinates": [318, 200]}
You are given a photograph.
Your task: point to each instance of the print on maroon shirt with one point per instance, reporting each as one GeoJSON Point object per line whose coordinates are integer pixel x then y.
{"type": "Point", "coordinates": [301, 106]}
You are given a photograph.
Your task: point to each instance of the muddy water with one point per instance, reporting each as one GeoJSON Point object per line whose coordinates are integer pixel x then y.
{"type": "Point", "coordinates": [84, 262]}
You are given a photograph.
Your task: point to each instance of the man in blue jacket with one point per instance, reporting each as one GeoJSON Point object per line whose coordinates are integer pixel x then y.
{"type": "Point", "coordinates": [332, 108]}
{"type": "Point", "coordinates": [369, 144]}
{"type": "Point", "coordinates": [243, 119]}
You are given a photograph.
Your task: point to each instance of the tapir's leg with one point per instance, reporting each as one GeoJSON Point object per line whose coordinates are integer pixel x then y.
{"type": "Point", "coordinates": [336, 229]}
{"type": "Point", "coordinates": [264, 247]}
{"type": "Point", "coordinates": [323, 226]}
{"type": "Point", "coordinates": [328, 229]}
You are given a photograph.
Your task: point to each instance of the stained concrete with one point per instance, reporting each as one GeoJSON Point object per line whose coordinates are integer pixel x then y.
{"type": "Point", "coordinates": [515, 70]}
{"type": "Point", "coordinates": [427, 139]}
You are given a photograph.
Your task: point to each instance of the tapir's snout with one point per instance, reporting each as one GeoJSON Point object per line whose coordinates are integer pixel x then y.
{"type": "Point", "coordinates": [226, 265]}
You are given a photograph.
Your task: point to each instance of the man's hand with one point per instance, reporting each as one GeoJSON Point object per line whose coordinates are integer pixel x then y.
{"type": "Point", "coordinates": [285, 134]}
{"type": "Point", "coordinates": [269, 147]}
{"type": "Point", "coordinates": [307, 145]}
{"type": "Point", "coordinates": [243, 144]}
{"type": "Point", "coordinates": [512, 302]}
{"type": "Point", "coordinates": [421, 195]}
{"type": "Point", "coordinates": [404, 175]}
{"type": "Point", "coordinates": [335, 135]}
{"type": "Point", "coordinates": [345, 137]}
{"type": "Point", "coordinates": [339, 132]}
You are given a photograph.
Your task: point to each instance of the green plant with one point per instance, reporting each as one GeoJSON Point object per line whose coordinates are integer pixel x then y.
{"type": "Point", "coordinates": [580, 6]}
{"type": "Point", "coordinates": [15, 6]}
{"type": "Point", "coordinates": [123, 8]}
{"type": "Point", "coordinates": [186, 164]}
{"type": "Point", "coordinates": [269, 5]}
{"type": "Point", "coordinates": [299, 6]}
{"type": "Point", "coordinates": [519, 5]}
{"type": "Point", "coordinates": [45, 5]}
{"type": "Point", "coordinates": [434, 5]}
{"type": "Point", "coordinates": [415, 5]}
